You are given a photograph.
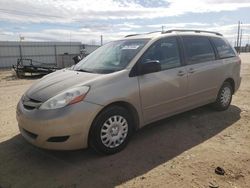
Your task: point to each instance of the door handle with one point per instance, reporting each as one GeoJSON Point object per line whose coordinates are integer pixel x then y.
{"type": "Point", "coordinates": [191, 70]}
{"type": "Point", "coordinates": [181, 73]}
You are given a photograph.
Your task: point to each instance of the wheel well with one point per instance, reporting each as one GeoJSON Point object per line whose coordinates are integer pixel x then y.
{"type": "Point", "coordinates": [130, 108]}
{"type": "Point", "coordinates": [231, 81]}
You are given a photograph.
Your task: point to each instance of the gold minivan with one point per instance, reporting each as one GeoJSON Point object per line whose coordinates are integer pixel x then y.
{"type": "Point", "coordinates": [127, 84]}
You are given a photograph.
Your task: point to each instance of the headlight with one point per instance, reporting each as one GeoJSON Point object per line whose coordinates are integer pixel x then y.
{"type": "Point", "coordinates": [70, 96]}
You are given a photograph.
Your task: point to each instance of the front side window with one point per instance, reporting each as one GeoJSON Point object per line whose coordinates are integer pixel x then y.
{"type": "Point", "coordinates": [112, 57]}
{"type": "Point", "coordinates": [223, 48]}
{"type": "Point", "coordinates": [198, 49]}
{"type": "Point", "coordinates": [165, 51]}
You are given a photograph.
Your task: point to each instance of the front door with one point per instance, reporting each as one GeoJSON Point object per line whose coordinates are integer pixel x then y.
{"type": "Point", "coordinates": [163, 93]}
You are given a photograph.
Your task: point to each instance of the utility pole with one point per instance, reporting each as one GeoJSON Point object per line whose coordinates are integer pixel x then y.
{"type": "Point", "coordinates": [238, 36]}
{"type": "Point", "coordinates": [240, 40]}
{"type": "Point", "coordinates": [21, 38]}
{"type": "Point", "coordinates": [248, 45]}
{"type": "Point", "coordinates": [162, 29]}
{"type": "Point", "coordinates": [101, 40]}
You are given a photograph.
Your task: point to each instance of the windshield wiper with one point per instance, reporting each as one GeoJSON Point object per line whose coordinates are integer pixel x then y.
{"type": "Point", "coordinates": [83, 70]}
{"type": "Point", "coordinates": [97, 71]}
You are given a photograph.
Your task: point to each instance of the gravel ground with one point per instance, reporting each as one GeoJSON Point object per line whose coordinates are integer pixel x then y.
{"type": "Point", "coordinates": [181, 151]}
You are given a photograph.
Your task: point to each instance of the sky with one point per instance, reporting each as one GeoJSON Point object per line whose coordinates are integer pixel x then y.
{"type": "Point", "coordinates": [86, 20]}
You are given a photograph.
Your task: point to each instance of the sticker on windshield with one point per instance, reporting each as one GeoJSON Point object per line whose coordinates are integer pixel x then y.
{"type": "Point", "coordinates": [130, 47]}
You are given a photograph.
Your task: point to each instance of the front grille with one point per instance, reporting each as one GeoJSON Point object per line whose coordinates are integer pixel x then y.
{"type": "Point", "coordinates": [30, 104]}
{"type": "Point", "coordinates": [30, 134]}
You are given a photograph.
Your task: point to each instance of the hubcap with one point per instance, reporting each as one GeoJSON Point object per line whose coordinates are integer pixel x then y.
{"type": "Point", "coordinates": [225, 96]}
{"type": "Point", "coordinates": [114, 131]}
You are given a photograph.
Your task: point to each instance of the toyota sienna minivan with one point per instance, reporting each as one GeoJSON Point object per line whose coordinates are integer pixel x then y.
{"type": "Point", "coordinates": [127, 84]}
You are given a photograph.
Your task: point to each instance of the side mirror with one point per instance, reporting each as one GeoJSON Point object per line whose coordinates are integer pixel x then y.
{"type": "Point", "coordinates": [149, 67]}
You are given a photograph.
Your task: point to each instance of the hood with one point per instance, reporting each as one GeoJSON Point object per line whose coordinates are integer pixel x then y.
{"type": "Point", "coordinates": [57, 82]}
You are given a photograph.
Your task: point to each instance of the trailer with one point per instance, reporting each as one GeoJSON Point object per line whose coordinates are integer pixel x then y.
{"type": "Point", "coordinates": [25, 67]}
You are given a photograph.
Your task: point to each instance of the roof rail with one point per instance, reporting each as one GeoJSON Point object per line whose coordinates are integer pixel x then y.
{"type": "Point", "coordinates": [192, 30]}
{"type": "Point", "coordinates": [153, 32]}
{"type": "Point", "coordinates": [131, 35]}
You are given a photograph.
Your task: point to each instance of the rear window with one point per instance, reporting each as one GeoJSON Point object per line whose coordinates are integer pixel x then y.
{"type": "Point", "coordinates": [198, 49]}
{"type": "Point", "coordinates": [223, 48]}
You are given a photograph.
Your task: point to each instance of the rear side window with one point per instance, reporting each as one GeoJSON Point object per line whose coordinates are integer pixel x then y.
{"type": "Point", "coordinates": [223, 48]}
{"type": "Point", "coordinates": [198, 49]}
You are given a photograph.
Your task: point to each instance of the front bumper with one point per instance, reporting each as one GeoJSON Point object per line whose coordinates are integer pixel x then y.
{"type": "Point", "coordinates": [237, 85]}
{"type": "Point", "coordinates": [60, 129]}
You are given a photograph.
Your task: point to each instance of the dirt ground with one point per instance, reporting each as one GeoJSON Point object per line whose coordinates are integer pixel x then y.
{"type": "Point", "coordinates": [181, 151]}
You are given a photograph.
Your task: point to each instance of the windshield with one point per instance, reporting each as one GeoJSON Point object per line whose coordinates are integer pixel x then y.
{"type": "Point", "coordinates": [111, 57]}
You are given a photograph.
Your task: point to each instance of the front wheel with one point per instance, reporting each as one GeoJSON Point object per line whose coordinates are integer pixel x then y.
{"type": "Point", "coordinates": [224, 97]}
{"type": "Point", "coordinates": [111, 130]}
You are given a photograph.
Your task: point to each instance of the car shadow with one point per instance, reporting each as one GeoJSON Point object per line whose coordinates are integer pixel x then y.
{"type": "Point", "coordinates": [23, 165]}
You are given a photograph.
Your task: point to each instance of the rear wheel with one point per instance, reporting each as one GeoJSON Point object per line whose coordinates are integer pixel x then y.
{"type": "Point", "coordinates": [111, 130]}
{"type": "Point", "coordinates": [224, 97]}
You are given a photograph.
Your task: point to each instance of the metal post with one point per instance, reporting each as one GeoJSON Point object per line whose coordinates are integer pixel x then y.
{"type": "Point", "coordinates": [101, 40]}
{"type": "Point", "coordinates": [55, 50]}
{"type": "Point", "coordinates": [248, 45]}
{"type": "Point", "coordinates": [240, 40]}
{"type": "Point", "coordinates": [20, 51]}
{"type": "Point", "coordinates": [238, 36]}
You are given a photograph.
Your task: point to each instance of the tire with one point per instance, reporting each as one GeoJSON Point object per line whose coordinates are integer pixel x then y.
{"type": "Point", "coordinates": [224, 97]}
{"type": "Point", "coordinates": [111, 130]}
{"type": "Point", "coordinates": [20, 74]}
